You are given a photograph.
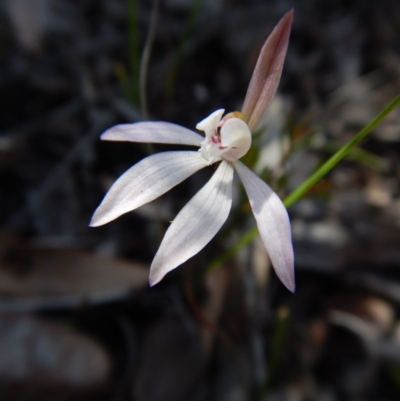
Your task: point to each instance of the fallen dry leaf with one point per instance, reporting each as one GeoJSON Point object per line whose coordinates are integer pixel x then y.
{"type": "Point", "coordinates": [33, 277]}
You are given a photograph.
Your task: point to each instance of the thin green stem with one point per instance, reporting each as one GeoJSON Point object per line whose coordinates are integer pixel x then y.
{"type": "Point", "coordinates": [144, 63]}
{"type": "Point", "coordinates": [278, 344]}
{"type": "Point", "coordinates": [357, 154]}
{"type": "Point", "coordinates": [133, 42]}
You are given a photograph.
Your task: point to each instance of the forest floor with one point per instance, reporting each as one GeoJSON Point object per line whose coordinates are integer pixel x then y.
{"type": "Point", "coordinates": [78, 320]}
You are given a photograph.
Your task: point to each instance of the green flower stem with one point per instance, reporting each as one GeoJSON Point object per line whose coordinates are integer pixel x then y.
{"type": "Point", "coordinates": [300, 191]}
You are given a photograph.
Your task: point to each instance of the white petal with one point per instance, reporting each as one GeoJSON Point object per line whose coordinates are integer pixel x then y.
{"type": "Point", "coordinates": [196, 224]}
{"type": "Point", "coordinates": [273, 224]}
{"type": "Point", "coordinates": [146, 181]}
{"type": "Point", "coordinates": [154, 132]}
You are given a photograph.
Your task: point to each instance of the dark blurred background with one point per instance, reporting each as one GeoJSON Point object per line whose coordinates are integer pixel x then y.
{"type": "Point", "coordinates": [77, 318]}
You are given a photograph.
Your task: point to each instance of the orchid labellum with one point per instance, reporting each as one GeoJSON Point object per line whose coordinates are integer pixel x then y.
{"type": "Point", "coordinates": [226, 140]}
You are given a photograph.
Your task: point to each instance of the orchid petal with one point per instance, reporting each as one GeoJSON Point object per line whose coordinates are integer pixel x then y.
{"type": "Point", "coordinates": [267, 73]}
{"type": "Point", "coordinates": [154, 132]}
{"type": "Point", "coordinates": [196, 224]}
{"type": "Point", "coordinates": [146, 181]}
{"type": "Point", "coordinates": [273, 224]}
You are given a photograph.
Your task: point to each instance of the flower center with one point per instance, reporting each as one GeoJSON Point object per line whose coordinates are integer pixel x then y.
{"type": "Point", "coordinates": [228, 139]}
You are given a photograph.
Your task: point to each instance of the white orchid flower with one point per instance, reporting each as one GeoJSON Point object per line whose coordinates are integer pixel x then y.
{"type": "Point", "coordinates": [226, 141]}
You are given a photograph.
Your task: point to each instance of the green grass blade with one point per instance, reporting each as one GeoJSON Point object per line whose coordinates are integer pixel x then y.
{"type": "Point", "coordinates": [145, 60]}
{"type": "Point", "coordinates": [134, 56]}
{"type": "Point", "coordinates": [356, 154]}
{"type": "Point", "coordinates": [339, 155]}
